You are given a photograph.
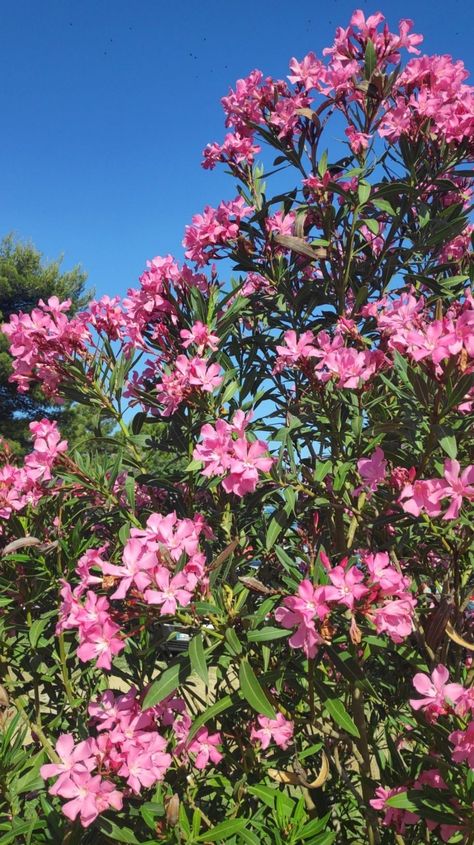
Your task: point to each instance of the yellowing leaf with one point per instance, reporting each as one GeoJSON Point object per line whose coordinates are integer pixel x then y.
{"type": "Point", "coordinates": [456, 638]}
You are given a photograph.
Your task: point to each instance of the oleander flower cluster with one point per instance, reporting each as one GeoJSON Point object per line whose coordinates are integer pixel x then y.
{"type": "Point", "coordinates": [215, 612]}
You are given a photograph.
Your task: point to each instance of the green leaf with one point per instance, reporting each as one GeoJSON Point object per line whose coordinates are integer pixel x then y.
{"type": "Point", "coordinates": [269, 633]}
{"type": "Point", "coordinates": [286, 561]}
{"type": "Point", "coordinates": [372, 225]}
{"type": "Point", "coordinates": [314, 826]}
{"type": "Point", "coordinates": [325, 839]}
{"type": "Point", "coordinates": [280, 519]}
{"type": "Point", "coordinates": [137, 422]}
{"type": "Point", "coordinates": [17, 830]}
{"type": "Point", "coordinates": [231, 388]}
{"type": "Point", "coordinates": [214, 710]}
{"type": "Point", "coordinates": [118, 834]}
{"type": "Point", "coordinates": [198, 658]}
{"type": "Point", "coordinates": [449, 445]}
{"type": "Point", "coordinates": [253, 692]}
{"type": "Point", "coordinates": [168, 681]}
{"type": "Point", "coordinates": [338, 712]}
{"type": "Point", "coordinates": [350, 669]}
{"type": "Point", "coordinates": [363, 192]}
{"type": "Point", "coordinates": [401, 801]}
{"type": "Point", "coordinates": [249, 837]}
{"type": "Point", "coordinates": [266, 794]}
{"type": "Point", "coordinates": [384, 205]}
{"type": "Point", "coordinates": [193, 466]}
{"type": "Point", "coordinates": [184, 825]}
{"type": "Point", "coordinates": [323, 163]}
{"type": "Point", "coordinates": [37, 629]}
{"type": "Point", "coordinates": [370, 59]}
{"type": "Point", "coordinates": [233, 641]}
{"type": "Point", "coordinates": [224, 830]}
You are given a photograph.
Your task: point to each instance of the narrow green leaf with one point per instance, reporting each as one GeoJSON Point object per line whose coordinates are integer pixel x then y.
{"type": "Point", "coordinates": [338, 712]}
{"type": "Point", "coordinates": [253, 692]}
{"type": "Point", "coordinates": [214, 710]}
{"type": "Point", "coordinates": [449, 445]}
{"type": "Point", "coordinates": [269, 633]}
{"type": "Point", "coordinates": [198, 658]}
{"type": "Point", "coordinates": [363, 192]}
{"type": "Point", "coordinates": [118, 834]}
{"type": "Point", "coordinates": [249, 837]}
{"type": "Point", "coordinates": [37, 629]}
{"type": "Point", "coordinates": [233, 641]}
{"type": "Point", "coordinates": [323, 163]}
{"type": "Point", "coordinates": [168, 681]}
{"type": "Point", "coordinates": [279, 521]}
{"type": "Point", "coordinates": [314, 826]}
{"type": "Point", "coordinates": [370, 59]}
{"type": "Point", "coordinates": [224, 830]}
{"type": "Point", "coordinates": [266, 794]}
{"type": "Point", "coordinates": [325, 839]}
{"type": "Point", "coordinates": [401, 801]}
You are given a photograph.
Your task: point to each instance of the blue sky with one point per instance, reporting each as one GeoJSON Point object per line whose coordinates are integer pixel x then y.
{"type": "Point", "coordinates": [107, 105]}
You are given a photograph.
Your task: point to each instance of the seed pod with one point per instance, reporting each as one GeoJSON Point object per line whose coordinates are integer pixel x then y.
{"type": "Point", "coordinates": [172, 810]}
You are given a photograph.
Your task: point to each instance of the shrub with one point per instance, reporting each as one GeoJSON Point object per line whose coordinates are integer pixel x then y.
{"type": "Point", "coordinates": [272, 642]}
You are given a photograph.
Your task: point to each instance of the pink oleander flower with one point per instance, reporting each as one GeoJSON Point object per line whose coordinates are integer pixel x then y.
{"type": "Point", "coordinates": [167, 591]}
{"type": "Point", "coordinates": [47, 448]}
{"type": "Point", "coordinates": [101, 642]}
{"type": "Point", "coordinates": [200, 336]}
{"type": "Point", "coordinates": [247, 462]}
{"type": "Point", "coordinates": [431, 88]}
{"type": "Point", "coordinates": [457, 485]}
{"type": "Point", "coordinates": [373, 470]}
{"type": "Point", "coordinates": [40, 341]}
{"type": "Point", "coordinates": [94, 611]}
{"type": "Point", "coordinates": [215, 450]}
{"type": "Point", "coordinates": [420, 496]}
{"type": "Point", "coordinates": [350, 367]}
{"type": "Point", "coordinates": [278, 730]}
{"type": "Point", "coordinates": [346, 586]}
{"type": "Point", "coordinates": [145, 765]}
{"type": "Point", "coordinates": [236, 150]}
{"type": "Point", "coordinates": [204, 375]}
{"type": "Point", "coordinates": [306, 73]}
{"type": "Point", "coordinates": [385, 577]}
{"type": "Point", "coordinates": [213, 228]}
{"type": "Point", "coordinates": [239, 460]}
{"type": "Point", "coordinates": [436, 691]}
{"type": "Point", "coordinates": [106, 316]}
{"type": "Point", "coordinates": [465, 702]}
{"type": "Point", "coordinates": [89, 796]}
{"type": "Point", "coordinates": [395, 617]}
{"type": "Point", "coordinates": [109, 708]}
{"type": "Point", "coordinates": [73, 758]}
{"type": "Point", "coordinates": [296, 349]}
{"type": "Point", "coordinates": [138, 562]}
{"type": "Point", "coordinates": [463, 742]}
{"type": "Point", "coordinates": [176, 536]}
{"type": "Point", "coordinates": [301, 611]}
{"type": "Point", "coordinates": [204, 746]}
{"type": "Point", "coordinates": [90, 558]}
{"type": "Point", "coordinates": [359, 141]}
{"type": "Point", "coordinates": [188, 374]}
{"type": "Point", "coordinates": [280, 223]}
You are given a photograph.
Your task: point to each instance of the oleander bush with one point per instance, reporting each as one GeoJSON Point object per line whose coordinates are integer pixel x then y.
{"type": "Point", "coordinates": [266, 636]}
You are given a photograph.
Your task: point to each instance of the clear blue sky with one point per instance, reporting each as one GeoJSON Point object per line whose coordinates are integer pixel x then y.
{"type": "Point", "coordinates": [107, 104]}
